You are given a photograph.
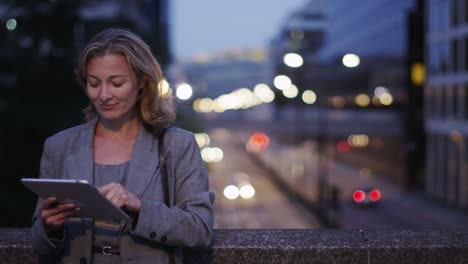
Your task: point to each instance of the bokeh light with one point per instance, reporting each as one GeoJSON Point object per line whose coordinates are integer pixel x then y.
{"type": "Point", "coordinates": [164, 87]}
{"type": "Point", "coordinates": [231, 192]}
{"type": "Point", "coordinates": [351, 60]}
{"type": "Point", "coordinates": [386, 99]}
{"type": "Point", "coordinates": [211, 155]}
{"type": "Point", "coordinates": [293, 60]}
{"type": "Point", "coordinates": [11, 24]}
{"type": "Point", "coordinates": [184, 91]}
{"type": "Point", "coordinates": [337, 101]}
{"type": "Point", "coordinates": [247, 191]}
{"type": "Point", "coordinates": [282, 82]}
{"type": "Point", "coordinates": [259, 141]}
{"type": "Point", "coordinates": [358, 141]}
{"type": "Point", "coordinates": [362, 100]}
{"type": "Point", "coordinates": [309, 97]}
{"type": "Point", "coordinates": [264, 92]}
{"type": "Point", "coordinates": [202, 139]}
{"type": "Point", "coordinates": [291, 92]}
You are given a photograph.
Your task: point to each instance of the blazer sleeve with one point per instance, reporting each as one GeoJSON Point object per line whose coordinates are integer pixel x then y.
{"type": "Point", "coordinates": [190, 221]}
{"type": "Point", "coordinates": [40, 241]}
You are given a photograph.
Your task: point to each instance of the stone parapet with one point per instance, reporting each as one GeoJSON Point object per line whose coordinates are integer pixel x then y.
{"type": "Point", "coordinates": [298, 246]}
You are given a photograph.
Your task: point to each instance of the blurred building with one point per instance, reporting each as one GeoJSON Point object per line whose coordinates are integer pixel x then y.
{"type": "Point", "coordinates": [217, 75]}
{"type": "Point", "coordinates": [302, 33]}
{"type": "Point", "coordinates": [385, 40]}
{"type": "Point", "coordinates": [367, 28]}
{"type": "Point", "coordinates": [446, 101]}
{"type": "Point", "coordinates": [223, 72]}
{"type": "Point", "coordinates": [377, 32]}
{"type": "Point", "coordinates": [148, 18]}
{"type": "Point", "coordinates": [324, 31]}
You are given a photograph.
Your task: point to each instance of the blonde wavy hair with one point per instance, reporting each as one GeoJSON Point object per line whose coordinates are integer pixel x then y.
{"type": "Point", "coordinates": [156, 111]}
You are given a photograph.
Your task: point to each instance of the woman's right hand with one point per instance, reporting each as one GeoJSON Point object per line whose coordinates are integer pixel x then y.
{"type": "Point", "coordinates": [54, 214]}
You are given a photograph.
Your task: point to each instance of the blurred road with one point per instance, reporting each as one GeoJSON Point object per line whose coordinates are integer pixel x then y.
{"type": "Point", "coordinates": [298, 166]}
{"type": "Point", "coordinates": [269, 208]}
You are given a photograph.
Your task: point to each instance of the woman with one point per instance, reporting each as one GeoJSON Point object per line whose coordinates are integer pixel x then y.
{"type": "Point", "coordinates": [117, 151]}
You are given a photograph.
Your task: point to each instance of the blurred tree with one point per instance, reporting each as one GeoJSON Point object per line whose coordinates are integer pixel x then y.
{"type": "Point", "coordinates": [38, 55]}
{"type": "Point", "coordinates": [39, 94]}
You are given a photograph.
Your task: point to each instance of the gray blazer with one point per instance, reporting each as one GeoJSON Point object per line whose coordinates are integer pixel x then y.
{"type": "Point", "coordinates": [187, 223]}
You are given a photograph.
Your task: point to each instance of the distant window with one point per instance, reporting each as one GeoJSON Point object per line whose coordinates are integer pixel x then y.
{"type": "Point", "coordinates": [454, 13]}
{"type": "Point", "coordinates": [461, 108]}
{"type": "Point", "coordinates": [313, 16]}
{"type": "Point", "coordinates": [445, 15]}
{"type": "Point", "coordinates": [434, 17]}
{"type": "Point", "coordinates": [444, 57]}
{"type": "Point", "coordinates": [430, 101]}
{"type": "Point", "coordinates": [466, 52]}
{"type": "Point", "coordinates": [440, 102]}
{"type": "Point", "coordinates": [450, 102]}
{"type": "Point", "coordinates": [454, 53]}
{"type": "Point", "coordinates": [466, 11]}
{"type": "Point", "coordinates": [434, 58]}
{"type": "Point", "coordinates": [465, 101]}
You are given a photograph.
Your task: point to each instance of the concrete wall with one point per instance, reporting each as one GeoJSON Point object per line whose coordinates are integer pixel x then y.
{"type": "Point", "coordinates": [299, 246]}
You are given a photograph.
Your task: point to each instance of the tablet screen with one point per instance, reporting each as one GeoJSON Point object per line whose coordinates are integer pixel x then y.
{"type": "Point", "coordinates": [91, 202]}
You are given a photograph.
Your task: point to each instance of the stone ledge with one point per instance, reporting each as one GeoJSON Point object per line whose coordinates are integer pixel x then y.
{"type": "Point", "coordinates": [299, 246]}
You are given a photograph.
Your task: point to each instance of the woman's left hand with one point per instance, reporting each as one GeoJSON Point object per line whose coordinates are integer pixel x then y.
{"type": "Point", "coordinates": [121, 197]}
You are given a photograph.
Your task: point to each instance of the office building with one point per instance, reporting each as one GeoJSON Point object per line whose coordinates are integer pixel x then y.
{"type": "Point", "coordinates": [446, 101]}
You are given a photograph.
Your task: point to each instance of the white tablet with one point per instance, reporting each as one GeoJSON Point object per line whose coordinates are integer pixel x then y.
{"type": "Point", "coordinates": [91, 202]}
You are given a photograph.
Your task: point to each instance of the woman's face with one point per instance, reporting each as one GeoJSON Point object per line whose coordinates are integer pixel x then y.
{"type": "Point", "coordinates": [111, 87]}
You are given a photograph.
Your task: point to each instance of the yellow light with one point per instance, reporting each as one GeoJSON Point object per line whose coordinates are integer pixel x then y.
{"type": "Point", "coordinates": [375, 101]}
{"type": "Point", "coordinates": [164, 87]}
{"type": "Point", "coordinates": [456, 137]}
{"type": "Point", "coordinates": [358, 141]}
{"type": "Point", "coordinates": [258, 55]}
{"type": "Point", "coordinates": [362, 100]}
{"type": "Point", "coordinates": [418, 73]}
{"type": "Point", "coordinates": [206, 105]}
{"type": "Point", "coordinates": [386, 99]}
{"type": "Point", "coordinates": [309, 97]}
{"type": "Point", "coordinates": [217, 107]}
{"type": "Point", "coordinates": [196, 105]}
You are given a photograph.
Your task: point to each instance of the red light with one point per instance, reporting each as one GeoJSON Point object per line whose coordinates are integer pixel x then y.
{"type": "Point", "coordinates": [359, 196]}
{"type": "Point", "coordinates": [343, 146]}
{"type": "Point", "coordinates": [374, 195]}
{"type": "Point", "coordinates": [258, 142]}
{"type": "Point", "coordinates": [260, 139]}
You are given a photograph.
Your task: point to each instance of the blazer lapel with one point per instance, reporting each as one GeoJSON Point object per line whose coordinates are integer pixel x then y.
{"type": "Point", "coordinates": [144, 162]}
{"type": "Point", "coordinates": [80, 164]}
